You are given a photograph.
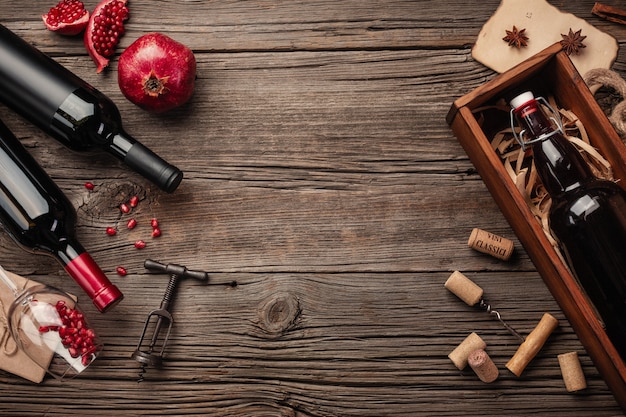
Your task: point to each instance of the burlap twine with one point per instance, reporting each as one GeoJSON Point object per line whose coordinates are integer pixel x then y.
{"type": "Point", "coordinates": [601, 77]}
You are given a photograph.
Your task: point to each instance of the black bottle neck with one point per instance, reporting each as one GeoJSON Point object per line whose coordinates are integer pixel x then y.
{"type": "Point", "coordinates": [559, 165]}
{"type": "Point", "coordinates": [88, 119]}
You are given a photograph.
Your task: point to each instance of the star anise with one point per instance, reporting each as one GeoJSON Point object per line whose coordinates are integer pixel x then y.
{"type": "Point", "coordinates": [516, 38]}
{"type": "Point", "coordinates": [573, 42]}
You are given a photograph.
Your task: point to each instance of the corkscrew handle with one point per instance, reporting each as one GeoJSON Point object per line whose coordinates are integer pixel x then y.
{"type": "Point", "coordinates": [174, 269]}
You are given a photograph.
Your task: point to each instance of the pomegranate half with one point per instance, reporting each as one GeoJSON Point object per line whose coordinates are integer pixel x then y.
{"type": "Point", "coordinates": [104, 30]}
{"type": "Point", "coordinates": [157, 73]}
{"type": "Point", "coordinates": [68, 17]}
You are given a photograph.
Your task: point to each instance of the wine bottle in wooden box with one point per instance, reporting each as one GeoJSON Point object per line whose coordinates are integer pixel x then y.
{"type": "Point", "coordinates": [587, 215]}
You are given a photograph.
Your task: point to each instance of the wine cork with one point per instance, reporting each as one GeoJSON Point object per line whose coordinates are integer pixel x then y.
{"type": "Point", "coordinates": [460, 354]}
{"type": "Point", "coordinates": [464, 288]}
{"type": "Point", "coordinates": [482, 364]}
{"type": "Point", "coordinates": [572, 372]}
{"type": "Point", "coordinates": [532, 345]}
{"type": "Point", "coordinates": [494, 245]}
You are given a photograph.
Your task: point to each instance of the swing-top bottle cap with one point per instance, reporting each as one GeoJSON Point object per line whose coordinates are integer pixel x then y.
{"type": "Point", "coordinates": [522, 99]}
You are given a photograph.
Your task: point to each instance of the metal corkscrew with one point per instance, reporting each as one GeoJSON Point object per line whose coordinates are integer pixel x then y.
{"type": "Point", "coordinates": [487, 307]}
{"type": "Point", "coordinates": [152, 354]}
{"type": "Point", "coordinates": [472, 294]}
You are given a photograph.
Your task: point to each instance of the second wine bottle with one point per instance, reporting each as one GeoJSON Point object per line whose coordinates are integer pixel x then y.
{"type": "Point", "coordinates": [40, 218]}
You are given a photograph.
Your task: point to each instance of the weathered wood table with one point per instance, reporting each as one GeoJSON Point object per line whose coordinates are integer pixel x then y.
{"type": "Point", "coordinates": [327, 199]}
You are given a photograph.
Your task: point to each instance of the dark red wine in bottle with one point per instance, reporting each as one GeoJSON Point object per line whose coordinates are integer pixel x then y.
{"type": "Point", "coordinates": [40, 218]}
{"type": "Point", "coordinates": [72, 111]}
{"type": "Point", "coordinates": [587, 216]}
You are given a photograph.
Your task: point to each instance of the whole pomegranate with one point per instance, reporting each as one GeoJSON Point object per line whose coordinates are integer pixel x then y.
{"type": "Point", "coordinates": [68, 17]}
{"type": "Point", "coordinates": [104, 30]}
{"type": "Point", "coordinates": [157, 73]}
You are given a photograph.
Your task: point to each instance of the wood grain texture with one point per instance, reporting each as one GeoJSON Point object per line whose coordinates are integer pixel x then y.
{"type": "Point", "coordinates": [328, 200]}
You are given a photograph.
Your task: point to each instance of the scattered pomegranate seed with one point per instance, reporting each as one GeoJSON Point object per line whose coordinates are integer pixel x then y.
{"type": "Point", "coordinates": [111, 231]}
{"type": "Point", "coordinates": [134, 200]}
{"type": "Point", "coordinates": [131, 224]}
{"type": "Point", "coordinates": [121, 271]}
{"type": "Point", "coordinates": [156, 232]}
{"type": "Point", "coordinates": [154, 223]}
{"type": "Point", "coordinates": [89, 185]}
{"type": "Point", "coordinates": [124, 208]}
{"type": "Point", "coordinates": [140, 244]}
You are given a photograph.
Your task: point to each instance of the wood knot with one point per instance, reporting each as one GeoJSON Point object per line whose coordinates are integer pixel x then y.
{"type": "Point", "coordinates": [107, 197]}
{"type": "Point", "coordinates": [279, 313]}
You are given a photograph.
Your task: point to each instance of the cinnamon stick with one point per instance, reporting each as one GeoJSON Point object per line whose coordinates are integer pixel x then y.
{"type": "Point", "coordinates": [610, 13]}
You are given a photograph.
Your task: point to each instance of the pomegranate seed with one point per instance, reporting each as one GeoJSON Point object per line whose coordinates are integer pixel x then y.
{"type": "Point", "coordinates": [89, 185]}
{"type": "Point", "coordinates": [124, 208]}
{"type": "Point", "coordinates": [154, 223]}
{"type": "Point", "coordinates": [44, 329]}
{"type": "Point", "coordinates": [131, 224]}
{"type": "Point", "coordinates": [85, 359]}
{"type": "Point", "coordinates": [91, 349]}
{"type": "Point", "coordinates": [156, 232]}
{"type": "Point", "coordinates": [73, 352]}
{"type": "Point", "coordinates": [134, 200]}
{"type": "Point", "coordinates": [121, 271]}
{"type": "Point", "coordinates": [111, 231]}
{"type": "Point", "coordinates": [140, 244]}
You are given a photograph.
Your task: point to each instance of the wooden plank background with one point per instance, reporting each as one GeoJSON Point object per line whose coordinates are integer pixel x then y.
{"type": "Point", "coordinates": [329, 202]}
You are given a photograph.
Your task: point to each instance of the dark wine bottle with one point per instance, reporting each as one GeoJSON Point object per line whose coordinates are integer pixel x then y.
{"type": "Point", "coordinates": [72, 111]}
{"type": "Point", "coordinates": [587, 216]}
{"type": "Point", "coordinates": [40, 218]}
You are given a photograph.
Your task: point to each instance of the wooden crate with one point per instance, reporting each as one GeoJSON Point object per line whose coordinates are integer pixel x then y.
{"type": "Point", "coordinates": [549, 72]}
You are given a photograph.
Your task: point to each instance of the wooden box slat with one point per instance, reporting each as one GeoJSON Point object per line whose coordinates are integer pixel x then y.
{"type": "Point", "coordinates": [548, 72]}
